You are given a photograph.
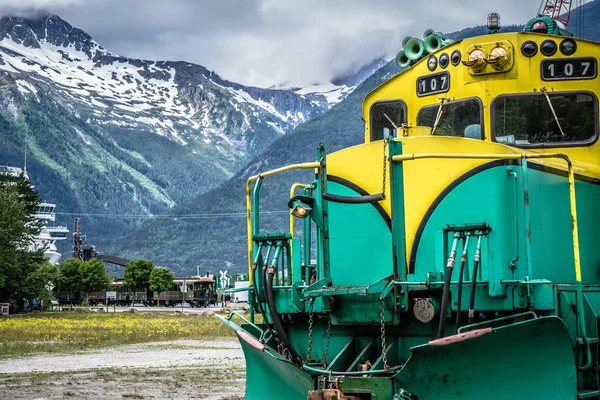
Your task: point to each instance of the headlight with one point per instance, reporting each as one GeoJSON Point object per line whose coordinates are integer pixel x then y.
{"type": "Point", "coordinates": [498, 57]}
{"type": "Point", "coordinates": [476, 59]}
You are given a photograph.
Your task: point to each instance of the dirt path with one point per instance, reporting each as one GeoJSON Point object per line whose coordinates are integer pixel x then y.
{"type": "Point", "coordinates": [206, 369]}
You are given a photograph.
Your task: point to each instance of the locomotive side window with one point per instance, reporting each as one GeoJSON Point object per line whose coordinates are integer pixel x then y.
{"type": "Point", "coordinates": [385, 117]}
{"type": "Point", "coordinates": [543, 119]}
{"type": "Point", "coordinates": [457, 118]}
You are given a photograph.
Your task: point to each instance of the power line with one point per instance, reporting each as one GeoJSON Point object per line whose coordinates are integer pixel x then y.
{"type": "Point", "coordinates": [173, 216]}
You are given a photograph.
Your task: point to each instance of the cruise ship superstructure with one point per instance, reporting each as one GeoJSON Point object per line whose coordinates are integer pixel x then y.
{"type": "Point", "coordinates": [49, 234]}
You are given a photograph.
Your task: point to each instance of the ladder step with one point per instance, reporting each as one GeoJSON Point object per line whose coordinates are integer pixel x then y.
{"type": "Point", "coordinates": [588, 394]}
{"type": "Point", "coordinates": [591, 340]}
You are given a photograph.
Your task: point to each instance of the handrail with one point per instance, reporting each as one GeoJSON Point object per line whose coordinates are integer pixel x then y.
{"type": "Point", "coordinates": [249, 202]}
{"type": "Point", "coordinates": [493, 321]}
{"type": "Point", "coordinates": [263, 335]}
{"type": "Point", "coordinates": [573, 205]}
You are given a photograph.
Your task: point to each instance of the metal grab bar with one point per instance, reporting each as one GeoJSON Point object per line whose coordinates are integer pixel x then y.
{"type": "Point", "coordinates": [493, 321]}
{"type": "Point", "coordinates": [311, 165]}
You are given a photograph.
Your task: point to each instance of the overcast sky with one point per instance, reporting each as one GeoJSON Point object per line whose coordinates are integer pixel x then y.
{"type": "Point", "coordinates": [269, 42]}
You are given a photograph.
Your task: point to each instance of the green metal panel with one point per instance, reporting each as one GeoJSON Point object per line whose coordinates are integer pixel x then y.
{"type": "Point", "coordinates": [380, 388]}
{"type": "Point", "coordinates": [528, 360]}
{"type": "Point", "coordinates": [296, 261]}
{"type": "Point", "coordinates": [268, 375]}
{"type": "Point", "coordinates": [360, 241]}
{"type": "Point", "coordinates": [470, 203]}
{"type": "Point", "coordinates": [398, 222]}
{"type": "Point", "coordinates": [551, 233]}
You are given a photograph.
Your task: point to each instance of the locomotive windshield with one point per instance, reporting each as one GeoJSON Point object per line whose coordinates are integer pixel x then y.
{"type": "Point", "coordinates": [385, 117]}
{"type": "Point", "coordinates": [542, 119]}
{"type": "Point", "coordinates": [457, 118]}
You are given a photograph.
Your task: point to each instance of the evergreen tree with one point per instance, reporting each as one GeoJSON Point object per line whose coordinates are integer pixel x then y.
{"type": "Point", "coordinates": [18, 226]}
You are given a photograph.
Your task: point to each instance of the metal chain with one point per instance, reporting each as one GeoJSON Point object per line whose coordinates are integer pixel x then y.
{"type": "Point", "coordinates": [383, 348]}
{"type": "Point", "coordinates": [310, 331]}
{"type": "Point", "coordinates": [327, 337]}
{"type": "Point", "coordinates": [385, 142]}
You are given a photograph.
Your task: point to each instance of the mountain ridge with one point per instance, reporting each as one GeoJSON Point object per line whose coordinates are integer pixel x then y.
{"type": "Point", "coordinates": [95, 123]}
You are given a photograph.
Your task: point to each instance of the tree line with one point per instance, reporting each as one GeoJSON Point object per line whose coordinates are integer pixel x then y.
{"type": "Point", "coordinates": [75, 275]}
{"type": "Point", "coordinates": [25, 273]}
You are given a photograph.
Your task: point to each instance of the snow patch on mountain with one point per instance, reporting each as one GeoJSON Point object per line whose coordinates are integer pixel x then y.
{"type": "Point", "coordinates": [179, 100]}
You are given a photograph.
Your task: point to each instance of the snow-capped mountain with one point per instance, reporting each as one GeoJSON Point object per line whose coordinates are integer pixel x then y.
{"type": "Point", "coordinates": [183, 101]}
{"type": "Point", "coordinates": [119, 139]}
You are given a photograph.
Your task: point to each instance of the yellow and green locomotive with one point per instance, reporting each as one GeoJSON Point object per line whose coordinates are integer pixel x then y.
{"type": "Point", "coordinates": [453, 255]}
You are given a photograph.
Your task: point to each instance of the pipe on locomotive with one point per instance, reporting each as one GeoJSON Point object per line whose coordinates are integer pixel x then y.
{"type": "Point", "coordinates": [476, 260]}
{"type": "Point", "coordinates": [446, 288]}
{"type": "Point", "coordinates": [257, 296]}
{"type": "Point", "coordinates": [461, 272]}
{"type": "Point", "coordinates": [275, 317]}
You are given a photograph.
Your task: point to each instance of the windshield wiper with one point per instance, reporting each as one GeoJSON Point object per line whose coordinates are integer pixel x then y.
{"type": "Point", "coordinates": [438, 116]}
{"type": "Point", "coordinates": [392, 122]}
{"type": "Point", "coordinates": [545, 91]}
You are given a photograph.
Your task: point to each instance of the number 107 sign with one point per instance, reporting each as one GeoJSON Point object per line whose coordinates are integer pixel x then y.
{"type": "Point", "coordinates": [569, 69]}
{"type": "Point", "coordinates": [431, 84]}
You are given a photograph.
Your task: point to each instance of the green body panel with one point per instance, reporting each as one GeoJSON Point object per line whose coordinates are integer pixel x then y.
{"type": "Point", "coordinates": [268, 375]}
{"type": "Point", "coordinates": [529, 360]}
{"type": "Point", "coordinates": [357, 262]}
{"type": "Point", "coordinates": [550, 230]}
{"type": "Point", "coordinates": [551, 234]}
{"type": "Point", "coordinates": [470, 203]}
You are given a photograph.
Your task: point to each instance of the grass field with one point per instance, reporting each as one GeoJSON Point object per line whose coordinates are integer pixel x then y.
{"type": "Point", "coordinates": [65, 332]}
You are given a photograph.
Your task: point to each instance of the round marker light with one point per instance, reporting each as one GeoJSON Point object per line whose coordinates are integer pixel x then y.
{"type": "Point", "coordinates": [301, 206]}
{"type": "Point", "coordinates": [548, 47]}
{"type": "Point", "coordinates": [432, 63]}
{"type": "Point", "coordinates": [455, 58]}
{"type": "Point", "coordinates": [539, 27]}
{"type": "Point", "coordinates": [476, 59]}
{"type": "Point", "coordinates": [529, 48]}
{"type": "Point", "coordinates": [568, 47]}
{"type": "Point", "coordinates": [498, 57]}
{"type": "Point", "coordinates": [444, 60]}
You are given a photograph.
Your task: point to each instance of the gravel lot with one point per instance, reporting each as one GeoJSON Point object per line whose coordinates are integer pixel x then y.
{"type": "Point", "coordinates": [200, 369]}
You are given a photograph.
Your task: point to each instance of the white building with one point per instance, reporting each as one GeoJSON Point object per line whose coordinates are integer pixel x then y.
{"type": "Point", "coordinates": [49, 234]}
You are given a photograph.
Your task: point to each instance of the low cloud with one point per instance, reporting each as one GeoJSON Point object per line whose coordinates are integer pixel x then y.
{"type": "Point", "coordinates": [269, 42]}
{"type": "Point", "coordinates": [26, 8]}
